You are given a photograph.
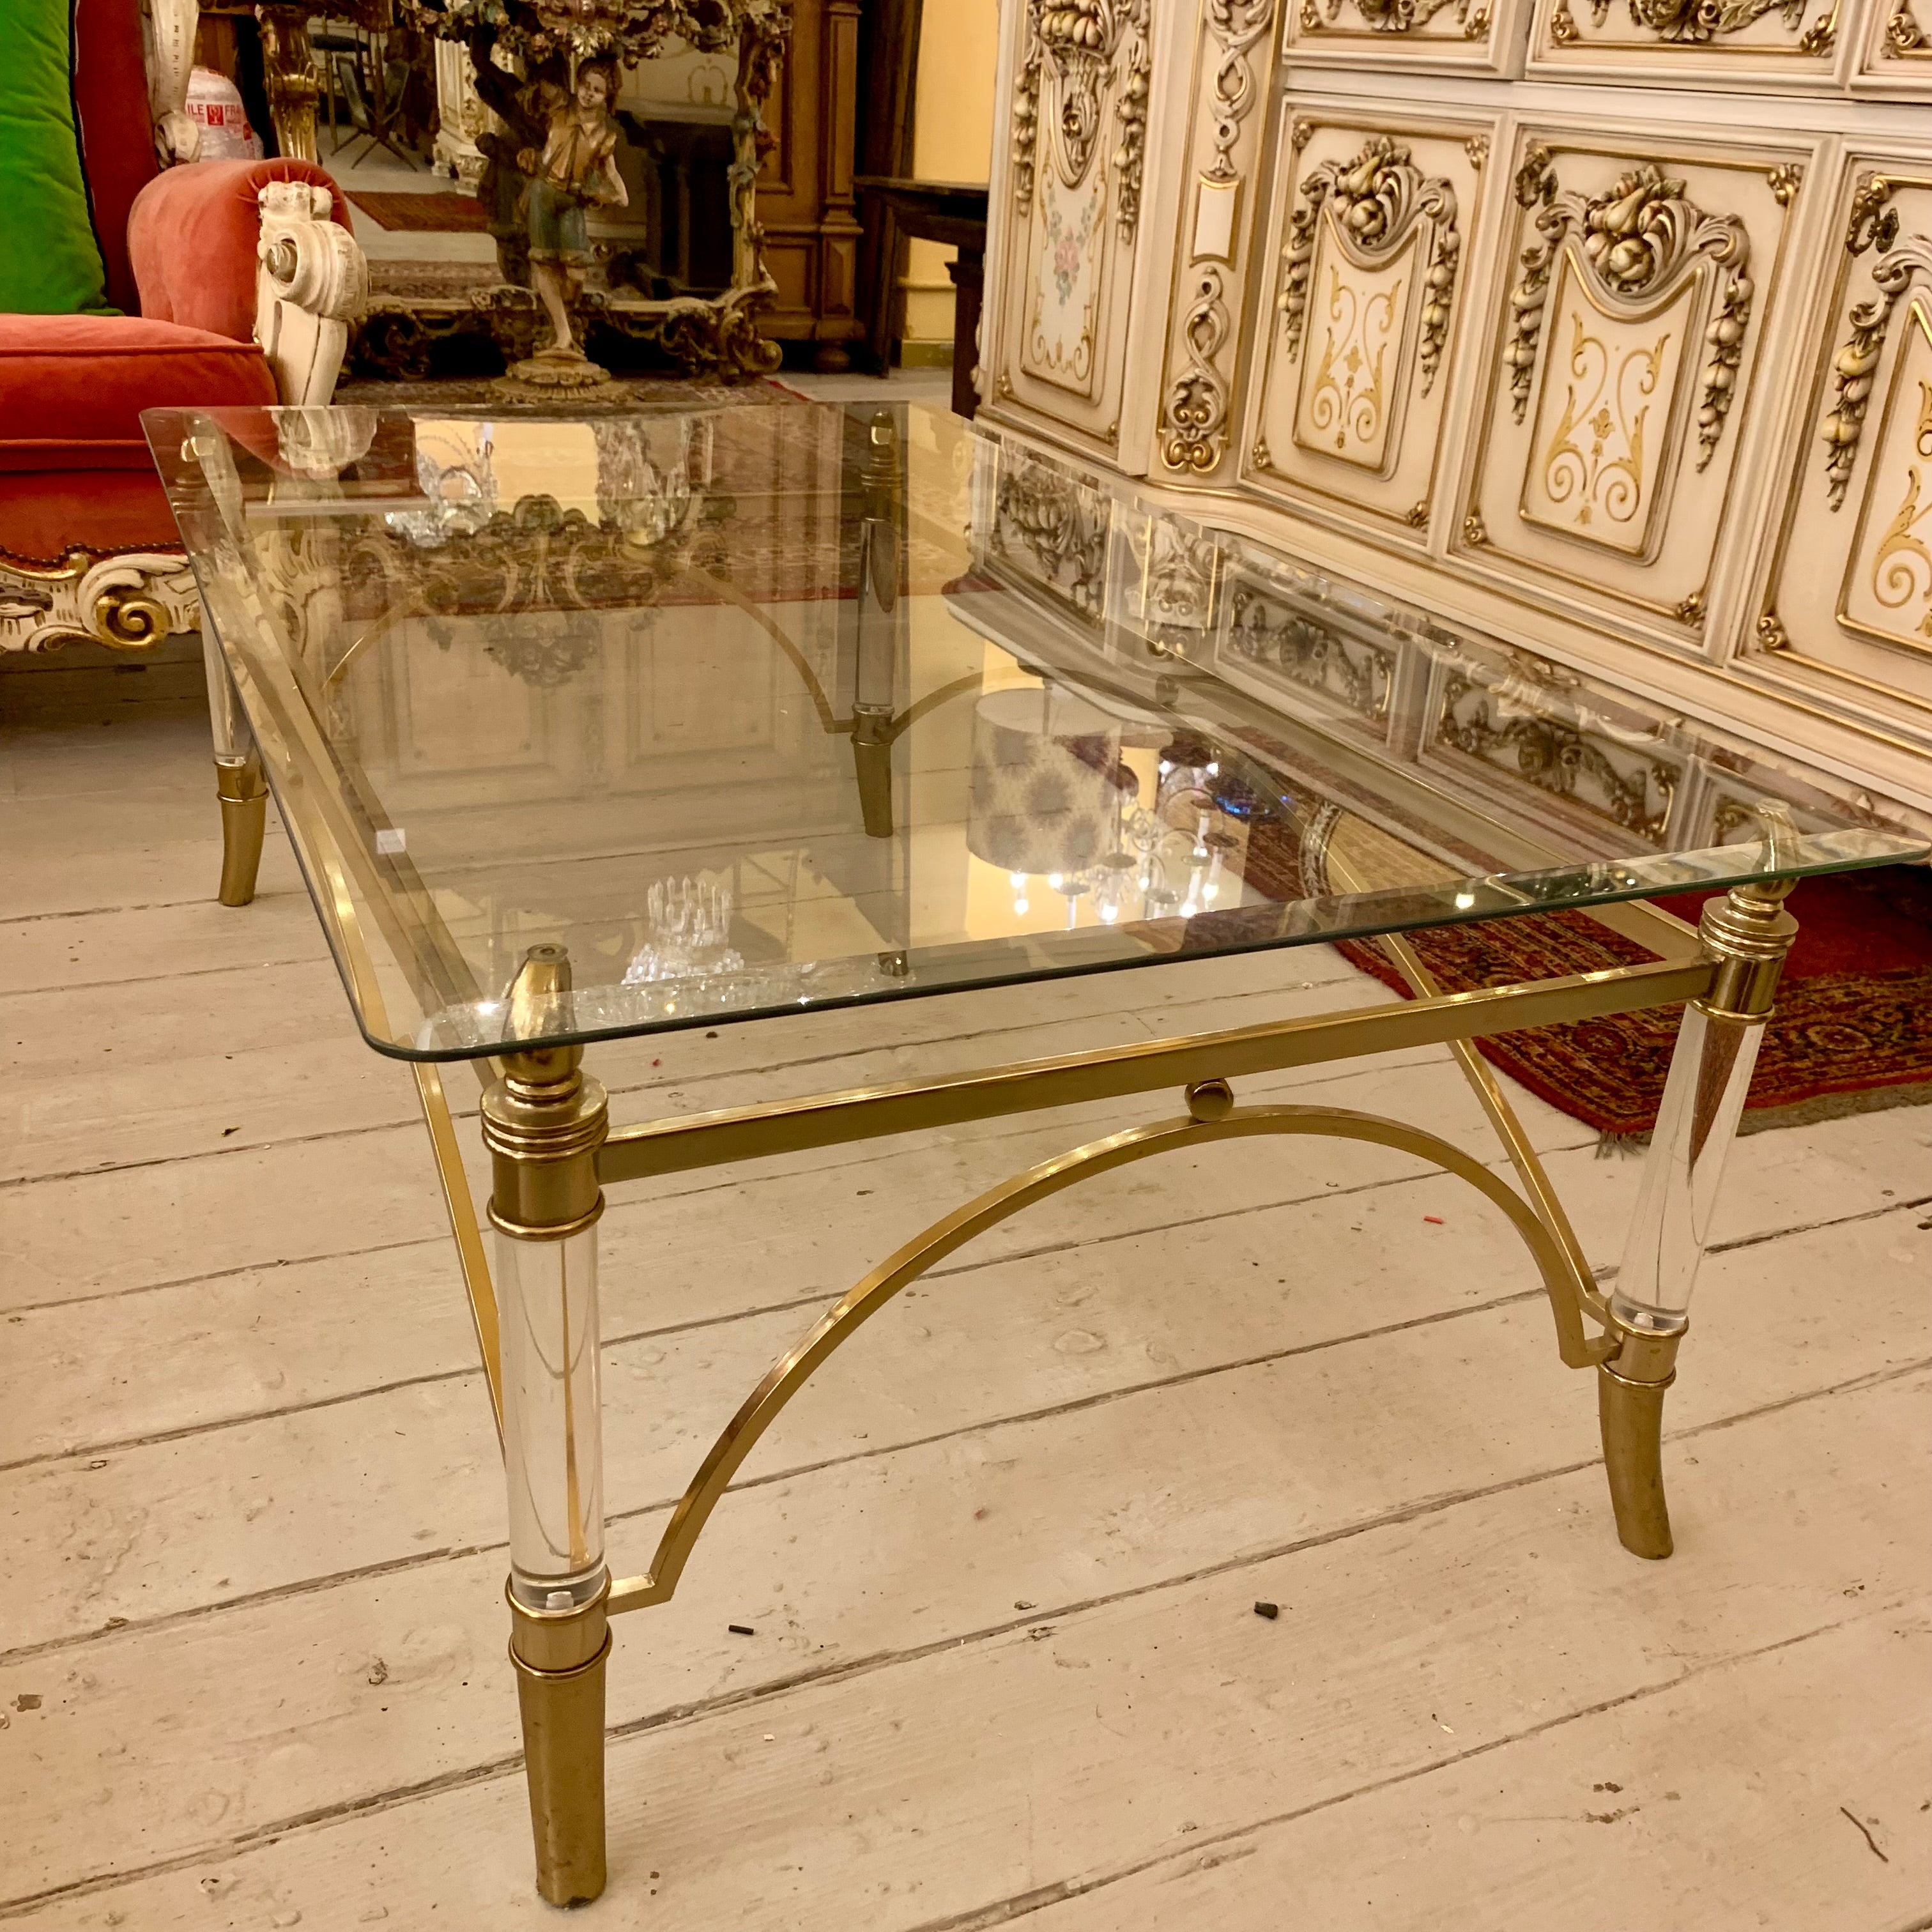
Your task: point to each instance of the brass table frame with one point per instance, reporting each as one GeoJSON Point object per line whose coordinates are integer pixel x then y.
{"type": "Point", "coordinates": [553, 1152]}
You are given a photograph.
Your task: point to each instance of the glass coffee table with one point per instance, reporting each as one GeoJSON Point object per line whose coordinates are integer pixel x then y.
{"type": "Point", "coordinates": [584, 730]}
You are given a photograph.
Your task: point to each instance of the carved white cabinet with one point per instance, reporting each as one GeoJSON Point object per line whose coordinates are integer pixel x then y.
{"type": "Point", "coordinates": [1060, 288]}
{"type": "Point", "coordinates": [1378, 221]}
{"type": "Point", "coordinates": [1621, 368]}
{"type": "Point", "coordinates": [1627, 363]}
{"type": "Point", "coordinates": [1232, 65]}
{"type": "Point", "coordinates": [1844, 609]}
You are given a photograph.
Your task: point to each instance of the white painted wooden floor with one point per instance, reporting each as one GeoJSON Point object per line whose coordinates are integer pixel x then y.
{"type": "Point", "coordinates": [999, 1559]}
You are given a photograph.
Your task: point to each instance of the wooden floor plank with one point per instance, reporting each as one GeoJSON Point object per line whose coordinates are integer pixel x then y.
{"type": "Point", "coordinates": [255, 1339]}
{"type": "Point", "coordinates": [254, 1055]}
{"type": "Point", "coordinates": [878, 1551]}
{"type": "Point", "coordinates": [1055, 1750]}
{"type": "Point", "coordinates": [1753, 1794]}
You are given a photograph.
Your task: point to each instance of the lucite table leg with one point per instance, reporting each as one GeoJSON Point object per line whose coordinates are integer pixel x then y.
{"type": "Point", "coordinates": [543, 1122]}
{"type": "Point", "coordinates": [238, 782]}
{"type": "Point", "coordinates": [1748, 934]}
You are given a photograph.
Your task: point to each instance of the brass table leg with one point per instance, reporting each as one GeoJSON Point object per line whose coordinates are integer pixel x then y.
{"type": "Point", "coordinates": [1748, 934]}
{"type": "Point", "coordinates": [1630, 1413]}
{"type": "Point", "coordinates": [244, 794]}
{"type": "Point", "coordinates": [543, 1122]}
{"type": "Point", "coordinates": [559, 1659]}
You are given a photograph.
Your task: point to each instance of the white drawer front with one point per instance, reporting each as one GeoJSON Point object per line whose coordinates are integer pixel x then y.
{"type": "Point", "coordinates": [1455, 36]}
{"type": "Point", "coordinates": [1377, 225]}
{"type": "Point", "coordinates": [1895, 50]}
{"type": "Point", "coordinates": [1745, 44]}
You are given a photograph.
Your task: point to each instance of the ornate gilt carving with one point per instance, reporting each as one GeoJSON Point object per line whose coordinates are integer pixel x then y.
{"type": "Point", "coordinates": [1062, 527]}
{"type": "Point", "coordinates": [1635, 244]}
{"type": "Point", "coordinates": [1822, 36]}
{"type": "Point", "coordinates": [1477, 147]}
{"type": "Point", "coordinates": [1358, 673]}
{"type": "Point", "coordinates": [1690, 610]}
{"type": "Point", "coordinates": [1074, 43]}
{"type": "Point", "coordinates": [128, 601]}
{"type": "Point", "coordinates": [1026, 110]}
{"type": "Point", "coordinates": [1375, 200]}
{"type": "Point", "coordinates": [1785, 179]}
{"type": "Point", "coordinates": [1557, 756]}
{"type": "Point", "coordinates": [1475, 532]}
{"type": "Point", "coordinates": [1698, 22]}
{"type": "Point", "coordinates": [1194, 414]}
{"type": "Point", "coordinates": [1416, 515]}
{"type": "Point", "coordinates": [1195, 419]}
{"type": "Point", "coordinates": [1393, 17]}
{"type": "Point", "coordinates": [1895, 581]}
{"type": "Point", "coordinates": [1903, 35]}
{"type": "Point", "coordinates": [1771, 634]}
{"type": "Point", "coordinates": [1131, 111]}
{"type": "Point", "coordinates": [1874, 223]}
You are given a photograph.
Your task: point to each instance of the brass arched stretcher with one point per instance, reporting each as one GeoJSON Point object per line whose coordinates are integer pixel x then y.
{"type": "Point", "coordinates": [1215, 1119]}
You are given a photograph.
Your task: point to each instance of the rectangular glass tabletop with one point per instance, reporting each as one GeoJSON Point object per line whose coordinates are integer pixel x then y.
{"type": "Point", "coordinates": [786, 704]}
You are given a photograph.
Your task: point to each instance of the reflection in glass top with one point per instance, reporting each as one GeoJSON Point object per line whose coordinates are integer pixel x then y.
{"type": "Point", "coordinates": [775, 706]}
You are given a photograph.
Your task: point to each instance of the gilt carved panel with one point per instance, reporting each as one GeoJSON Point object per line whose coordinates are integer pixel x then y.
{"type": "Point", "coordinates": [1845, 604]}
{"type": "Point", "coordinates": [1752, 44]}
{"type": "Point", "coordinates": [1536, 732]}
{"type": "Point", "coordinates": [1895, 57]}
{"type": "Point", "coordinates": [1076, 157]}
{"type": "Point", "coordinates": [1626, 341]}
{"type": "Point", "coordinates": [1376, 227]}
{"type": "Point", "coordinates": [1465, 36]}
{"type": "Point", "coordinates": [1233, 68]}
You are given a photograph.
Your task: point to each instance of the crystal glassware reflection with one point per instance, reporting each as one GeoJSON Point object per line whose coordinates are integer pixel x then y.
{"type": "Point", "coordinates": [461, 486]}
{"type": "Point", "coordinates": [691, 933]}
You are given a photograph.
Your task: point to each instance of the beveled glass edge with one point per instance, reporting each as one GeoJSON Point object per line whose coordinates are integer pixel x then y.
{"type": "Point", "coordinates": [1324, 918]}
{"type": "Point", "coordinates": [1495, 896]}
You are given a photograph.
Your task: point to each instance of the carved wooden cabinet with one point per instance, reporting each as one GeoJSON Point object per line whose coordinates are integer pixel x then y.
{"type": "Point", "coordinates": [805, 197]}
{"type": "Point", "coordinates": [1625, 362]}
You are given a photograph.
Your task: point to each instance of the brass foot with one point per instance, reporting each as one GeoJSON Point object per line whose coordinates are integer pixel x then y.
{"type": "Point", "coordinates": [1629, 1411]}
{"type": "Point", "coordinates": [560, 1659]}
{"type": "Point", "coordinates": [238, 784]}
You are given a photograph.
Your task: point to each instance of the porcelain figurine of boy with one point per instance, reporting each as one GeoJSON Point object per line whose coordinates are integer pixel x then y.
{"type": "Point", "coordinates": [577, 170]}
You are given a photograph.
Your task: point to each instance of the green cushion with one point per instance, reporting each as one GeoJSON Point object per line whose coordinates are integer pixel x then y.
{"type": "Point", "coordinates": [50, 262]}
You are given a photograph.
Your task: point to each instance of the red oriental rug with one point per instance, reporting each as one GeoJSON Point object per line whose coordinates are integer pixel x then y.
{"type": "Point", "coordinates": [1853, 1032]}
{"type": "Point", "coordinates": [451, 213]}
